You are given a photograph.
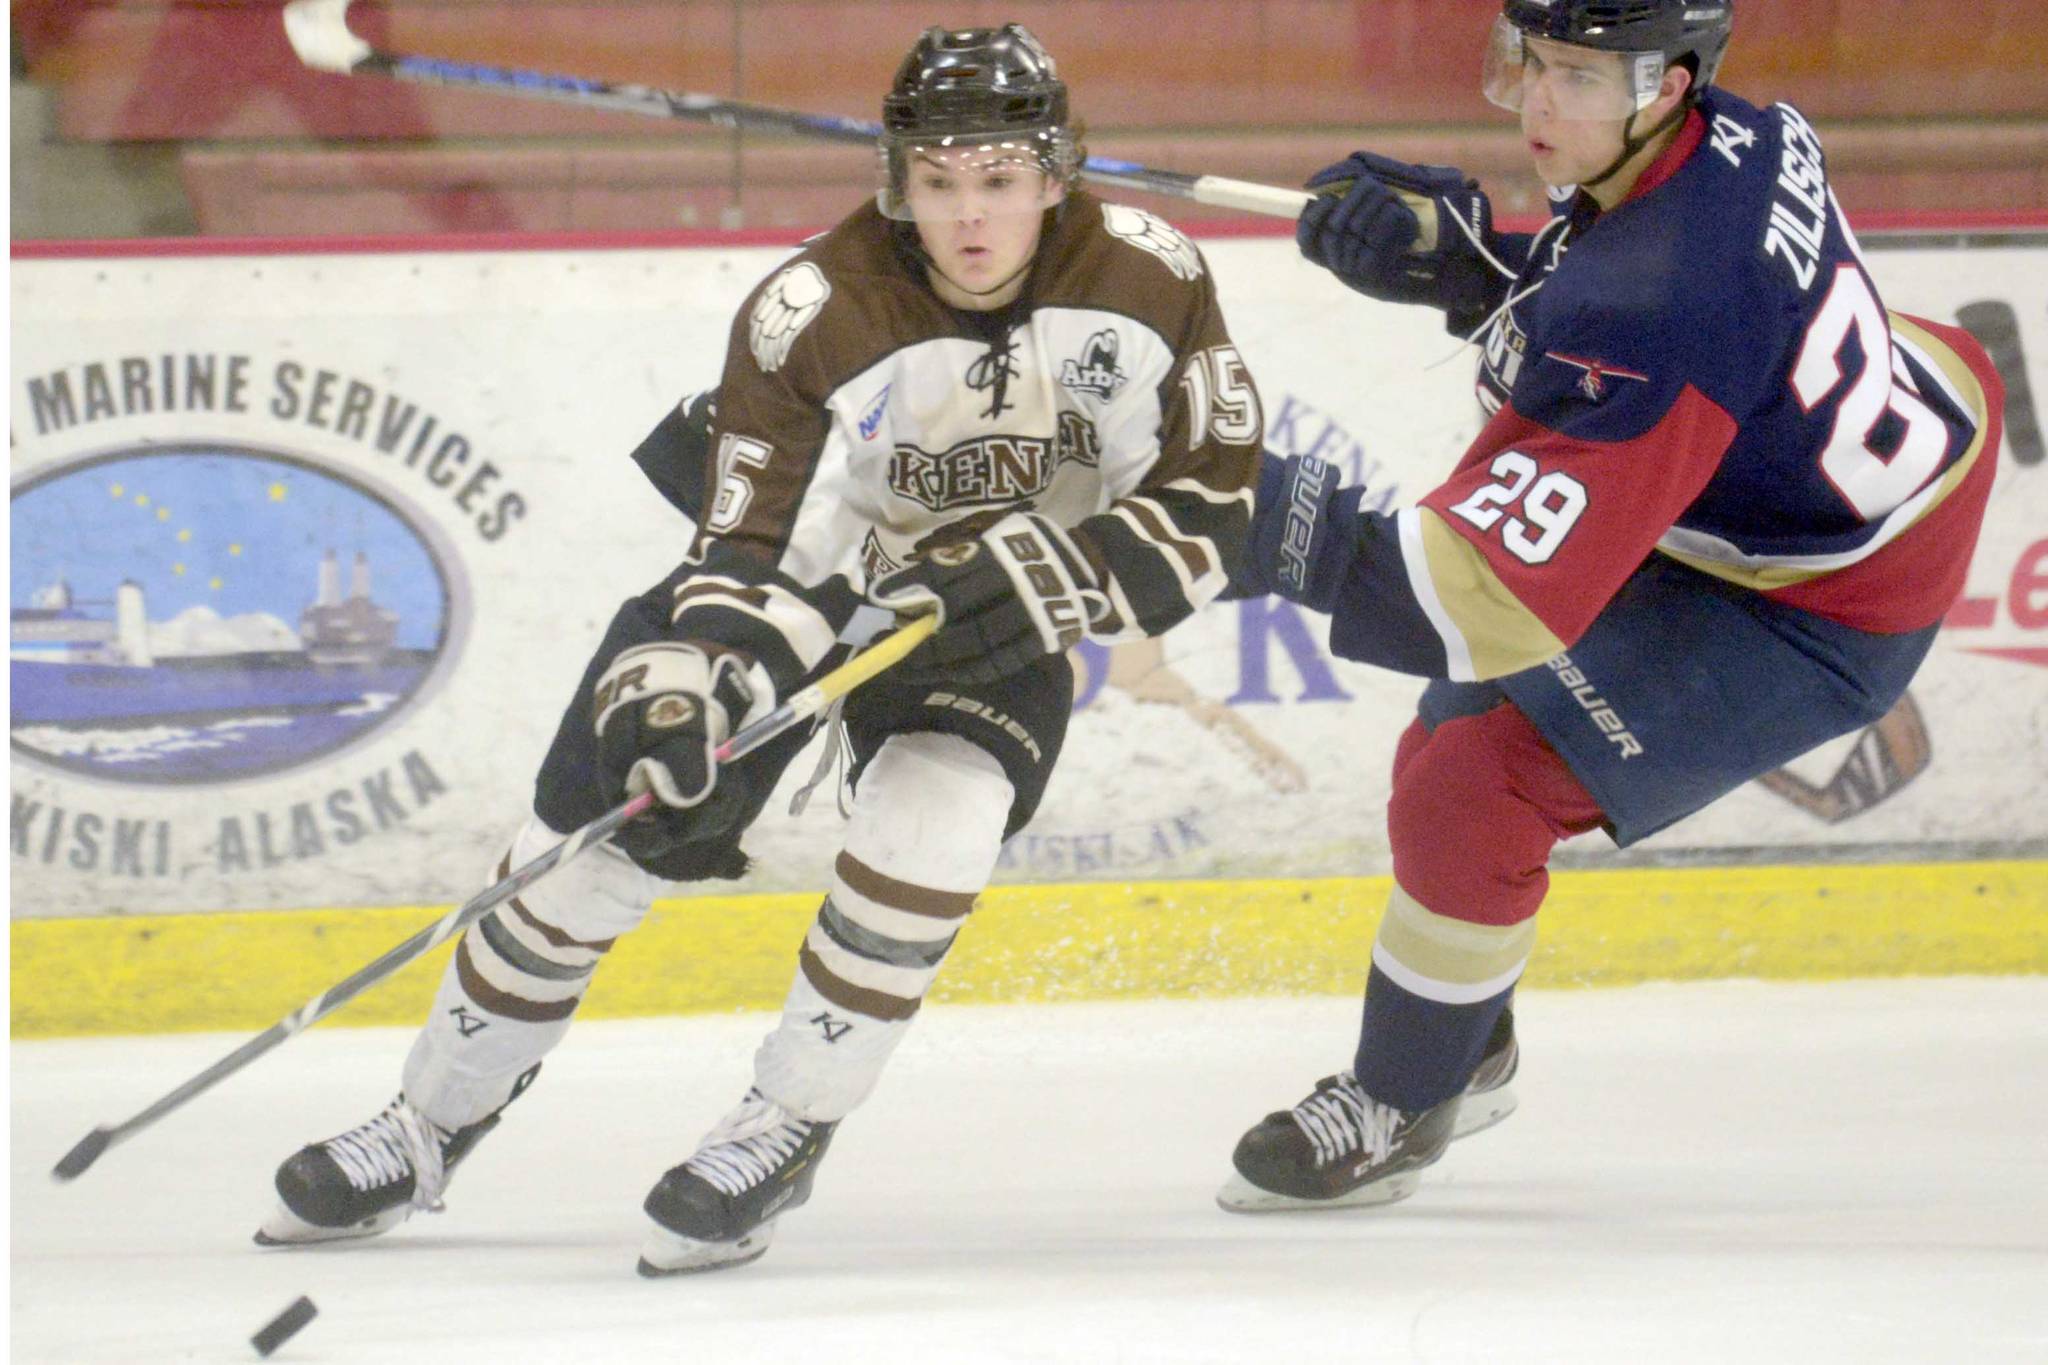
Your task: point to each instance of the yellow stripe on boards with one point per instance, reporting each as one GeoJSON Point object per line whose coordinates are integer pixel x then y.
{"type": "Point", "coordinates": [1089, 941]}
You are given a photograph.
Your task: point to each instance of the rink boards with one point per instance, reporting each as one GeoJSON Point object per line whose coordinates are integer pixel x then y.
{"type": "Point", "coordinates": [242, 446]}
{"type": "Point", "coordinates": [1080, 941]}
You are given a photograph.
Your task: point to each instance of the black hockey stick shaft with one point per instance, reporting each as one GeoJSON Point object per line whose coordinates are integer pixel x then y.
{"type": "Point", "coordinates": [1997, 329]}
{"type": "Point", "coordinates": [319, 33]}
{"type": "Point", "coordinates": [805, 704]}
{"type": "Point", "coordinates": [90, 1148]}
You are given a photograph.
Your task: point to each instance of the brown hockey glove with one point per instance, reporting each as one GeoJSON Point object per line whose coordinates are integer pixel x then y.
{"type": "Point", "coordinates": [1012, 595]}
{"type": "Point", "coordinates": [661, 711]}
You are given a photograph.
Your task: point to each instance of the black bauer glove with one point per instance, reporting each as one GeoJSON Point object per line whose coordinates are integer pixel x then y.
{"type": "Point", "coordinates": [661, 711]}
{"type": "Point", "coordinates": [1367, 226]}
{"type": "Point", "coordinates": [1012, 595]}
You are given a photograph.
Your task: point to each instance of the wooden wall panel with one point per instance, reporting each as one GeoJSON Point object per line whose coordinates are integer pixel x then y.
{"type": "Point", "coordinates": [1947, 113]}
{"type": "Point", "coordinates": [260, 191]}
{"type": "Point", "coordinates": [223, 70]}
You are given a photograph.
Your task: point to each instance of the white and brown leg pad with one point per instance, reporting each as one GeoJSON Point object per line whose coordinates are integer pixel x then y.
{"type": "Point", "coordinates": [518, 975]}
{"type": "Point", "coordinates": [927, 825]}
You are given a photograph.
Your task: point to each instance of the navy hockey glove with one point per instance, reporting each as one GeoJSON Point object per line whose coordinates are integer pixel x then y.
{"type": "Point", "coordinates": [1386, 228]}
{"type": "Point", "coordinates": [661, 711]}
{"type": "Point", "coordinates": [1293, 518]}
{"type": "Point", "coordinates": [1012, 595]}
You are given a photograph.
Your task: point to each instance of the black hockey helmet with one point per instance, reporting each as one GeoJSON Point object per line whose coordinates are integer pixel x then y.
{"type": "Point", "coordinates": [976, 86]}
{"type": "Point", "coordinates": [1677, 28]}
{"type": "Point", "coordinates": [1649, 36]}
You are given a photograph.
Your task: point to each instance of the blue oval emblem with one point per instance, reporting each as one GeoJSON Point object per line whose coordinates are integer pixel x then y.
{"type": "Point", "coordinates": [200, 613]}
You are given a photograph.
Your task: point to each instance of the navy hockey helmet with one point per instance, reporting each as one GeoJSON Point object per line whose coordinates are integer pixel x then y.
{"type": "Point", "coordinates": [1678, 29]}
{"type": "Point", "coordinates": [974, 87]}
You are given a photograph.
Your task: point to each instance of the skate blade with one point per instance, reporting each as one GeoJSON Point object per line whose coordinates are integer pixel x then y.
{"type": "Point", "coordinates": [1477, 1113]}
{"type": "Point", "coordinates": [286, 1229]}
{"type": "Point", "coordinates": [1239, 1195]}
{"type": "Point", "coordinates": [670, 1253]}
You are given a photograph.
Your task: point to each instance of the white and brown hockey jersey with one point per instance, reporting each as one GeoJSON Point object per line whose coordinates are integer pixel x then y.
{"type": "Point", "coordinates": [860, 418]}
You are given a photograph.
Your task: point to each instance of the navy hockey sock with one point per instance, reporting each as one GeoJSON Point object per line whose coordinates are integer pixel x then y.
{"type": "Point", "coordinates": [1415, 1053]}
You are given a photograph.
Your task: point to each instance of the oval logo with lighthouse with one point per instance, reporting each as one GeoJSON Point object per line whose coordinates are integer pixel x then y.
{"type": "Point", "coordinates": [204, 613]}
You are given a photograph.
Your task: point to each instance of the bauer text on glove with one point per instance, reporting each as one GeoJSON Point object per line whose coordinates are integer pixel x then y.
{"type": "Point", "coordinates": [1021, 590]}
{"type": "Point", "coordinates": [1300, 540]}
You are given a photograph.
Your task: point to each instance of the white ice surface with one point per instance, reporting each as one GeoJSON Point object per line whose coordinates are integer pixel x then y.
{"type": "Point", "coordinates": [1718, 1172]}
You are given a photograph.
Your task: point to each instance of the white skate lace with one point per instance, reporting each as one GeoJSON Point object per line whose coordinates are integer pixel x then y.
{"type": "Point", "coordinates": [748, 1145]}
{"type": "Point", "coordinates": [1342, 1119]}
{"type": "Point", "coordinates": [398, 1142]}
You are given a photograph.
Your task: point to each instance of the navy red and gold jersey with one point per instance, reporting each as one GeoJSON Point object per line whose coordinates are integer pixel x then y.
{"type": "Point", "coordinates": [1705, 372]}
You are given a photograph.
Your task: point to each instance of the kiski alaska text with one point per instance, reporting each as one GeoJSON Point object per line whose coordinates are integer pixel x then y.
{"type": "Point", "coordinates": [225, 839]}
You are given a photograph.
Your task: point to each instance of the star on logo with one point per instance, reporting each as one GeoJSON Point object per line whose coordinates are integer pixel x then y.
{"type": "Point", "coordinates": [1593, 383]}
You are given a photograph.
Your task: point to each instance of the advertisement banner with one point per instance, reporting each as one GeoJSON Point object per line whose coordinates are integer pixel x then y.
{"type": "Point", "coordinates": [309, 551]}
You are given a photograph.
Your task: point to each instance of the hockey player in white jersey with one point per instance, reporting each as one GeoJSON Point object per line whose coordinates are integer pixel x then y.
{"type": "Point", "coordinates": [986, 395]}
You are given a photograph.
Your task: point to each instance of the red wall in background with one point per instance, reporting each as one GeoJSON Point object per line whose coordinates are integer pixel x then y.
{"type": "Point", "coordinates": [1916, 114]}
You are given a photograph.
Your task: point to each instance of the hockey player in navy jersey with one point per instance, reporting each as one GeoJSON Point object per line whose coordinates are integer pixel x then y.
{"type": "Point", "coordinates": [1721, 501]}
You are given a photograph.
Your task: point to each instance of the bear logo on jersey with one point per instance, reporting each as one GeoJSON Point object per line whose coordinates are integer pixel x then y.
{"type": "Point", "coordinates": [1155, 235]}
{"type": "Point", "coordinates": [782, 312]}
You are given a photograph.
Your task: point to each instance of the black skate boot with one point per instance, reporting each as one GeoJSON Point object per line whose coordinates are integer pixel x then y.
{"type": "Point", "coordinates": [718, 1209]}
{"type": "Point", "coordinates": [1339, 1148]}
{"type": "Point", "coordinates": [1488, 1097]}
{"type": "Point", "coordinates": [371, 1178]}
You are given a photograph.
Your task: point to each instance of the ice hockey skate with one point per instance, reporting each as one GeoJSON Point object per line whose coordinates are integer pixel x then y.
{"type": "Point", "coordinates": [1340, 1148]}
{"type": "Point", "coordinates": [1489, 1098]}
{"type": "Point", "coordinates": [718, 1209]}
{"type": "Point", "coordinates": [370, 1179]}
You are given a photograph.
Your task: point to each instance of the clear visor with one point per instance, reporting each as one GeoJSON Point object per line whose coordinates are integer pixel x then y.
{"type": "Point", "coordinates": [963, 180]}
{"type": "Point", "coordinates": [1567, 81]}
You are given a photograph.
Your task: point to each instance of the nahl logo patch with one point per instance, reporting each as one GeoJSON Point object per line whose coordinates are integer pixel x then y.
{"type": "Point", "coordinates": [871, 420]}
{"type": "Point", "coordinates": [1595, 374]}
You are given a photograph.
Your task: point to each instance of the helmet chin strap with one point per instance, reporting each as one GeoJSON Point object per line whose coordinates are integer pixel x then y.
{"type": "Point", "coordinates": [1630, 144]}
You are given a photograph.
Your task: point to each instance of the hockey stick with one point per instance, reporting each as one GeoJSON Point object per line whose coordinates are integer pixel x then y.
{"type": "Point", "coordinates": [1997, 329]}
{"type": "Point", "coordinates": [319, 33]}
{"type": "Point", "coordinates": [801, 707]}
{"type": "Point", "coordinates": [1884, 758]}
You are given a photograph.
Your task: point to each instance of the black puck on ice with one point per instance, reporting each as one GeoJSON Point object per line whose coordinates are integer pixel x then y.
{"type": "Point", "coordinates": [281, 1328]}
